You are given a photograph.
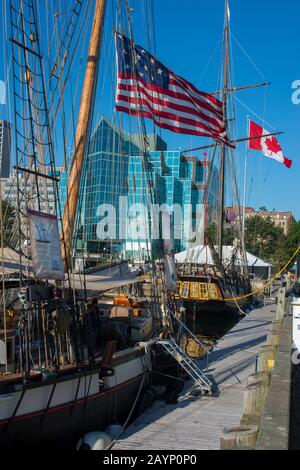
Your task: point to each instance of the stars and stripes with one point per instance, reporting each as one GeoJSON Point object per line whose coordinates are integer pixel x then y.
{"type": "Point", "coordinates": [145, 87]}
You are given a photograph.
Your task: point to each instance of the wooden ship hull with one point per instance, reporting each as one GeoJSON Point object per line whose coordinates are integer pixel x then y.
{"type": "Point", "coordinates": [216, 295]}
{"type": "Point", "coordinates": [60, 409]}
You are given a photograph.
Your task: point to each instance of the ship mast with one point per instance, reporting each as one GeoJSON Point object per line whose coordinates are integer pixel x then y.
{"type": "Point", "coordinates": [81, 135]}
{"type": "Point", "coordinates": [223, 148]}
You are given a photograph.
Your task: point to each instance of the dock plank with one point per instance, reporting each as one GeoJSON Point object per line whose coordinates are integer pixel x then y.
{"type": "Point", "coordinates": [198, 422]}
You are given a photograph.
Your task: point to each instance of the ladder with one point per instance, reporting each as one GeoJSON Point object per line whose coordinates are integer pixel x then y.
{"type": "Point", "coordinates": [188, 365]}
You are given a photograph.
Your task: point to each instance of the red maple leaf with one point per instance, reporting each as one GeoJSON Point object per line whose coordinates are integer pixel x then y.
{"type": "Point", "coordinates": [273, 145]}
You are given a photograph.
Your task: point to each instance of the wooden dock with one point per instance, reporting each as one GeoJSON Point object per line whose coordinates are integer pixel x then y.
{"type": "Point", "coordinates": [197, 422]}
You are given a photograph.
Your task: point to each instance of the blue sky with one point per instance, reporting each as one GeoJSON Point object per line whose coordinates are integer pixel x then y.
{"type": "Point", "coordinates": [186, 35]}
{"type": "Point", "coordinates": [188, 32]}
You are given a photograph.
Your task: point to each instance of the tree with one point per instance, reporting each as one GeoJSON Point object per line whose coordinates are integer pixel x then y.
{"type": "Point", "coordinates": [8, 217]}
{"type": "Point", "coordinates": [292, 240]}
{"type": "Point", "coordinates": [228, 234]}
{"type": "Point", "coordinates": [264, 239]}
{"type": "Point", "coordinates": [212, 233]}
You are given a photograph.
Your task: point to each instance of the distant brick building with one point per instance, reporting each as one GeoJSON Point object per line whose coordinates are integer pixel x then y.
{"type": "Point", "coordinates": [280, 219]}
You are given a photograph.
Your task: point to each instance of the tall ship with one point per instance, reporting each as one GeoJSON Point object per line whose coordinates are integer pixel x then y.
{"type": "Point", "coordinates": [213, 273]}
{"type": "Point", "coordinates": [90, 335]}
{"type": "Point", "coordinates": [73, 359]}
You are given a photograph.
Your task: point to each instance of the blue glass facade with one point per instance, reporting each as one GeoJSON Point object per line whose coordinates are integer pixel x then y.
{"type": "Point", "coordinates": [106, 180]}
{"type": "Point", "coordinates": [114, 170]}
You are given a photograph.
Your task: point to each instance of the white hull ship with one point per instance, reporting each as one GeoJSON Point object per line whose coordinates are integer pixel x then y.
{"type": "Point", "coordinates": [58, 388]}
{"type": "Point", "coordinates": [60, 408]}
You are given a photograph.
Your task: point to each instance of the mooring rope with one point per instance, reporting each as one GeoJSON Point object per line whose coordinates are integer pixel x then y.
{"type": "Point", "coordinates": [269, 282]}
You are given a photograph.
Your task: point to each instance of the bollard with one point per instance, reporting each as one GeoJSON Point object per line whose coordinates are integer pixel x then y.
{"type": "Point", "coordinates": [240, 437]}
{"type": "Point", "coordinates": [267, 356]}
{"type": "Point", "coordinates": [255, 397]}
{"type": "Point", "coordinates": [259, 377]}
{"type": "Point", "coordinates": [273, 338]}
{"type": "Point", "coordinates": [248, 420]}
{"type": "Point", "coordinates": [277, 325]}
{"type": "Point", "coordinates": [280, 304]}
{"type": "Point", "coordinates": [253, 406]}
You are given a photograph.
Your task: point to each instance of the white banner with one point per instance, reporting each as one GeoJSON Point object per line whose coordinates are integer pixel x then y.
{"type": "Point", "coordinates": [170, 272]}
{"type": "Point", "coordinates": [2, 353]}
{"type": "Point", "coordinates": [45, 246]}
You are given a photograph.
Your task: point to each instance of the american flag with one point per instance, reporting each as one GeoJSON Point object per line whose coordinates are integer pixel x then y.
{"type": "Point", "coordinates": [145, 87]}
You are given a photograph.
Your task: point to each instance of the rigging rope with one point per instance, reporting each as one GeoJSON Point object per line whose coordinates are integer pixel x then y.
{"type": "Point", "coordinates": [131, 410]}
{"type": "Point", "coordinates": [269, 282]}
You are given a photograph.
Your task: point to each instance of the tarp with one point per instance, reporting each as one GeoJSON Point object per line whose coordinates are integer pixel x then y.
{"type": "Point", "coordinates": [45, 246]}
{"type": "Point", "coordinates": [202, 255]}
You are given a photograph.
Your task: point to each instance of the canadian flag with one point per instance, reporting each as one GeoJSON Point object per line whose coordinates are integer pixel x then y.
{"type": "Point", "coordinates": [269, 145]}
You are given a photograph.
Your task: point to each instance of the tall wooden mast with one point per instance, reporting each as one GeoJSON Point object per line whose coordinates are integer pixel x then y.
{"type": "Point", "coordinates": [81, 134]}
{"type": "Point", "coordinates": [223, 149]}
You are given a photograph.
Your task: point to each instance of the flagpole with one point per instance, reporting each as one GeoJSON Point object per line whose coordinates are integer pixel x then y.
{"type": "Point", "coordinates": [223, 151]}
{"type": "Point", "coordinates": [81, 136]}
{"type": "Point", "coordinates": [237, 141]}
{"type": "Point", "coordinates": [245, 180]}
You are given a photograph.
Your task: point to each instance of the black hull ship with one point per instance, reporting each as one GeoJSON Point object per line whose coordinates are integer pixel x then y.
{"type": "Point", "coordinates": [215, 295]}
{"type": "Point", "coordinates": [213, 283]}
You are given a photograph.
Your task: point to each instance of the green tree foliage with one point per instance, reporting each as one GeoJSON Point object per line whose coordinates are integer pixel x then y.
{"type": "Point", "coordinates": [292, 239]}
{"type": "Point", "coordinates": [8, 216]}
{"type": "Point", "coordinates": [228, 235]}
{"type": "Point", "coordinates": [264, 239]}
{"type": "Point", "coordinates": [212, 233]}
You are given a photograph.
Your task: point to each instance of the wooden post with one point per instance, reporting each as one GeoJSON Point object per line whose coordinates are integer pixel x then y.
{"type": "Point", "coordinates": [273, 337]}
{"type": "Point", "coordinates": [223, 151]}
{"type": "Point", "coordinates": [258, 377]}
{"type": "Point", "coordinates": [267, 356]}
{"type": "Point", "coordinates": [280, 306]}
{"type": "Point", "coordinates": [276, 325]}
{"type": "Point", "coordinates": [274, 433]}
{"type": "Point", "coordinates": [243, 437]}
{"type": "Point", "coordinates": [255, 397]}
{"type": "Point", "coordinates": [83, 123]}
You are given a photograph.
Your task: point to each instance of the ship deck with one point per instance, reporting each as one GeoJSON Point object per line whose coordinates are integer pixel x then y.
{"type": "Point", "coordinates": [98, 282]}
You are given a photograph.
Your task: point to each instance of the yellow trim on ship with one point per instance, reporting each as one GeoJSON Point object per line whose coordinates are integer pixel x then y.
{"type": "Point", "coordinates": [202, 291]}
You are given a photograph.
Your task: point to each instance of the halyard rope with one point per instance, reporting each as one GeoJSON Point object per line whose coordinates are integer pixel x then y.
{"type": "Point", "coordinates": [269, 282]}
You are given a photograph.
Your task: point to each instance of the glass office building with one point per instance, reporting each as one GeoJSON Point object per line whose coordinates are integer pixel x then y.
{"type": "Point", "coordinates": [120, 187]}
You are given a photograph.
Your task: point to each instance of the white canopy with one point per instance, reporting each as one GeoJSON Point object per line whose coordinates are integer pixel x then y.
{"type": "Point", "coordinates": [202, 255]}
